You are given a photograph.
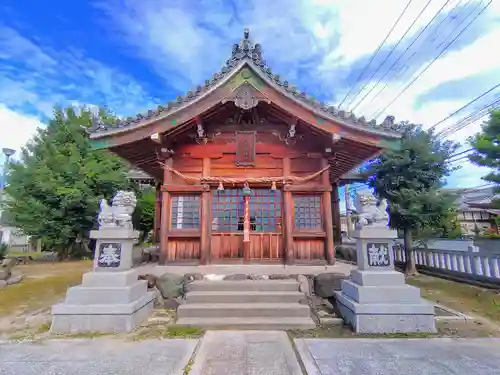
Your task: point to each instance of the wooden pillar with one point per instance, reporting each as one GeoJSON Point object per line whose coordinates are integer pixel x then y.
{"type": "Point", "coordinates": [206, 227]}
{"type": "Point", "coordinates": [336, 213]}
{"type": "Point", "coordinates": [157, 218]}
{"type": "Point", "coordinates": [327, 213]}
{"type": "Point", "coordinates": [288, 213]}
{"type": "Point", "coordinates": [165, 214]}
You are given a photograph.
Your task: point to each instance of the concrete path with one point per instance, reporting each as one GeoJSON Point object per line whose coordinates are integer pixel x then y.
{"type": "Point", "coordinates": [252, 353]}
{"type": "Point", "coordinates": [96, 357]}
{"type": "Point", "coordinates": [246, 353]}
{"type": "Point", "coordinates": [401, 356]}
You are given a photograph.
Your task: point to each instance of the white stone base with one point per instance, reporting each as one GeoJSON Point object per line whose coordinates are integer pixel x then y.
{"type": "Point", "coordinates": [388, 323]}
{"type": "Point", "coordinates": [381, 302]}
{"type": "Point", "coordinates": [105, 302]}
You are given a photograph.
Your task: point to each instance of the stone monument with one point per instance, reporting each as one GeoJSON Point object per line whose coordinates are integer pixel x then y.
{"type": "Point", "coordinates": [376, 298]}
{"type": "Point", "coordinates": [110, 298]}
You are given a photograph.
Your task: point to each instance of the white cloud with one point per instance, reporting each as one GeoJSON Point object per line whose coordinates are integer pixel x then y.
{"type": "Point", "coordinates": [314, 43]}
{"type": "Point", "coordinates": [60, 77]}
{"type": "Point", "coordinates": [16, 129]}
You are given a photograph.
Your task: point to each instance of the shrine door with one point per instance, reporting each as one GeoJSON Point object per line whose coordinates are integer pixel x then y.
{"type": "Point", "coordinates": [266, 237]}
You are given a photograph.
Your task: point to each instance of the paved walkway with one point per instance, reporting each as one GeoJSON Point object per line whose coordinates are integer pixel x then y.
{"type": "Point", "coordinates": [401, 356]}
{"type": "Point", "coordinates": [96, 357]}
{"type": "Point", "coordinates": [246, 352]}
{"type": "Point", "coordinates": [252, 352]}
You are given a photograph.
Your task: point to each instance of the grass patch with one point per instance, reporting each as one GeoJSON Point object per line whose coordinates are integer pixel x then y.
{"type": "Point", "coordinates": [343, 331]}
{"type": "Point", "coordinates": [83, 335]}
{"type": "Point", "coordinates": [455, 329]}
{"type": "Point", "coordinates": [160, 331]}
{"type": "Point", "coordinates": [188, 367]}
{"type": "Point", "coordinates": [32, 254]}
{"type": "Point", "coordinates": [39, 292]}
{"type": "Point", "coordinates": [462, 297]}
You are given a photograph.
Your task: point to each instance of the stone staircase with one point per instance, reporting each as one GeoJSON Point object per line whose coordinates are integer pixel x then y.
{"type": "Point", "coordinates": [245, 304]}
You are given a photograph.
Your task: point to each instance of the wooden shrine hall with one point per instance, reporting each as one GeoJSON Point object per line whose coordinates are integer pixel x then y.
{"type": "Point", "coordinates": [247, 166]}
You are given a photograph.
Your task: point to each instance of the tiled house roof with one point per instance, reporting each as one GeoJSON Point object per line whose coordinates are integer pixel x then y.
{"type": "Point", "coordinates": [247, 51]}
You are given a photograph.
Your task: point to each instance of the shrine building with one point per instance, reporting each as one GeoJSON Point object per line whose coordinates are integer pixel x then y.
{"type": "Point", "coordinates": [247, 166]}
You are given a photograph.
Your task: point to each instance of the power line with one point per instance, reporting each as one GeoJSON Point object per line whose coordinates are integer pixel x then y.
{"type": "Point", "coordinates": [434, 60]}
{"type": "Point", "coordinates": [375, 53]}
{"type": "Point", "coordinates": [470, 118]}
{"type": "Point", "coordinates": [400, 56]}
{"type": "Point", "coordinates": [389, 55]}
{"type": "Point", "coordinates": [433, 36]}
{"type": "Point", "coordinates": [465, 106]}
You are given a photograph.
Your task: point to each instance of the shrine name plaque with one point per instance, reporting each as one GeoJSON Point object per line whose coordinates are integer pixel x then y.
{"type": "Point", "coordinates": [245, 148]}
{"type": "Point", "coordinates": [109, 255]}
{"type": "Point", "coordinates": [378, 254]}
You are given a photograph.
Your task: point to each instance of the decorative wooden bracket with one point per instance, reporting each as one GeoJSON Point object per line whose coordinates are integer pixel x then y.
{"type": "Point", "coordinates": [246, 97]}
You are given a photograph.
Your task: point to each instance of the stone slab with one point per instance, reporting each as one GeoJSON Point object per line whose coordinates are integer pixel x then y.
{"type": "Point", "coordinates": [98, 356]}
{"type": "Point", "coordinates": [246, 352]}
{"type": "Point", "coordinates": [401, 293]}
{"type": "Point", "coordinates": [388, 323]}
{"type": "Point", "coordinates": [83, 295]}
{"type": "Point", "coordinates": [420, 307]}
{"type": "Point", "coordinates": [110, 279]}
{"type": "Point", "coordinates": [103, 309]}
{"type": "Point", "coordinates": [93, 322]}
{"type": "Point", "coordinates": [377, 278]}
{"type": "Point", "coordinates": [399, 356]}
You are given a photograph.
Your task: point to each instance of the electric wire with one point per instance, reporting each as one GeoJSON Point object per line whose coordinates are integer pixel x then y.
{"type": "Point", "coordinates": [404, 52]}
{"type": "Point", "coordinates": [437, 57]}
{"type": "Point", "coordinates": [375, 53]}
{"type": "Point", "coordinates": [470, 118]}
{"type": "Point", "coordinates": [389, 55]}
{"type": "Point", "coordinates": [432, 36]}
{"type": "Point", "coordinates": [465, 106]}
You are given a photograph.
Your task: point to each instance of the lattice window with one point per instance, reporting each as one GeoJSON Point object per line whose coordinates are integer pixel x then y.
{"type": "Point", "coordinates": [185, 212]}
{"type": "Point", "coordinates": [265, 210]}
{"type": "Point", "coordinates": [307, 212]}
{"type": "Point", "coordinates": [228, 208]}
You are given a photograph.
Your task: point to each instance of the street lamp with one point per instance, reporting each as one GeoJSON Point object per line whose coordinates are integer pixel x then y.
{"type": "Point", "coordinates": [8, 152]}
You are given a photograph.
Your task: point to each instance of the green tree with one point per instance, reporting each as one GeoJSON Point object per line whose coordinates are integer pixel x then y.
{"type": "Point", "coordinates": [144, 214]}
{"type": "Point", "coordinates": [486, 145]}
{"type": "Point", "coordinates": [410, 180]}
{"type": "Point", "coordinates": [55, 190]}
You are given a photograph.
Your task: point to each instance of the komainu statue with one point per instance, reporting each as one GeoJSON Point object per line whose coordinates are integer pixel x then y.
{"type": "Point", "coordinates": [370, 213]}
{"type": "Point", "coordinates": [119, 215]}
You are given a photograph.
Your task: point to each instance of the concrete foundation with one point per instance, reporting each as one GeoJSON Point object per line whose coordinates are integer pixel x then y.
{"type": "Point", "coordinates": [376, 299]}
{"type": "Point", "coordinates": [91, 308]}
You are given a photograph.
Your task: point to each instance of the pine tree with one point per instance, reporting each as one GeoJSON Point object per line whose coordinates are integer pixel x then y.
{"type": "Point", "coordinates": [54, 192]}
{"type": "Point", "coordinates": [486, 146]}
{"type": "Point", "coordinates": [410, 180]}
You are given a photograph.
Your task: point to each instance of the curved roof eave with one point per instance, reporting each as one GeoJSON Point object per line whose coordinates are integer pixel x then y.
{"type": "Point", "coordinates": [249, 54]}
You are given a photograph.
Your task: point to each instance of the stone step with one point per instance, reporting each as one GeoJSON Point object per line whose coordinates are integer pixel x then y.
{"type": "Point", "coordinates": [245, 285]}
{"type": "Point", "coordinates": [246, 297]}
{"type": "Point", "coordinates": [243, 310]}
{"type": "Point", "coordinates": [268, 323]}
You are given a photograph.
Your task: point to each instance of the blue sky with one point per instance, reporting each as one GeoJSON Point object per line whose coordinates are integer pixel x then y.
{"type": "Point", "coordinates": [130, 55]}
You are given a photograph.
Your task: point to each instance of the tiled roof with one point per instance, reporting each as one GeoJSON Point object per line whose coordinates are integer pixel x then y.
{"type": "Point", "coordinates": [251, 53]}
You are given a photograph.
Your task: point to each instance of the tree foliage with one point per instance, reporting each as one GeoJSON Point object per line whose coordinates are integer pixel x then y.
{"type": "Point", "coordinates": [54, 191]}
{"type": "Point", "coordinates": [410, 179]}
{"type": "Point", "coordinates": [486, 146]}
{"type": "Point", "coordinates": [144, 214]}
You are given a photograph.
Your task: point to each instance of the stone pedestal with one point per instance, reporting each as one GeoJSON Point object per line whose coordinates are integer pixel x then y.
{"type": "Point", "coordinates": [376, 298]}
{"type": "Point", "coordinates": [110, 298]}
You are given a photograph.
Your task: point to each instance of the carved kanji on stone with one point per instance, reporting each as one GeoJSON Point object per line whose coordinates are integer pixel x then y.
{"type": "Point", "coordinates": [378, 254]}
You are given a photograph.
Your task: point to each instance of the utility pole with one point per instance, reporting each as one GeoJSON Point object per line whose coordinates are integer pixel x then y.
{"type": "Point", "coordinates": [347, 211]}
{"type": "Point", "coordinates": [8, 152]}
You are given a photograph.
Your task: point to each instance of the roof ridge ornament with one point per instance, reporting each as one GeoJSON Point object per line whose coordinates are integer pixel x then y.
{"type": "Point", "coordinates": [246, 48]}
